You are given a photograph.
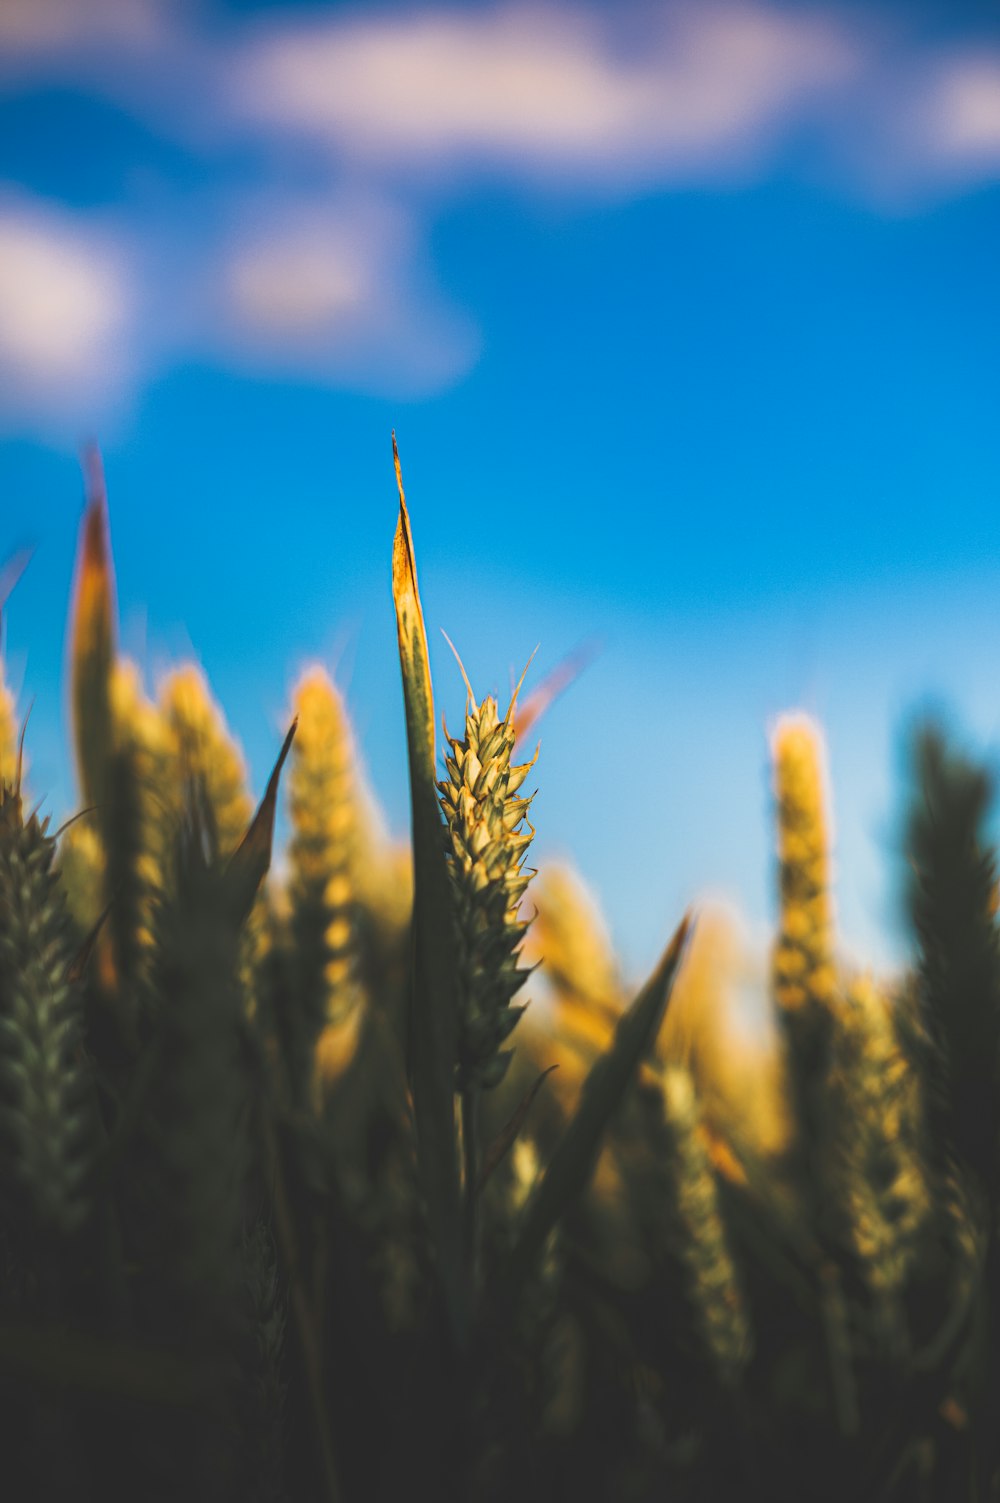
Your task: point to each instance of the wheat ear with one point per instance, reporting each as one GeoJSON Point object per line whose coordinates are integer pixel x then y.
{"type": "Point", "coordinates": [322, 854]}
{"type": "Point", "coordinates": [699, 1236]}
{"type": "Point", "coordinates": [48, 1130]}
{"type": "Point", "coordinates": [487, 839]}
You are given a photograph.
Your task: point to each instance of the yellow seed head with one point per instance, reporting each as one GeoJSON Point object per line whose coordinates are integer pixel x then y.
{"type": "Point", "coordinates": [81, 865]}
{"type": "Point", "coordinates": [140, 744]}
{"type": "Point", "coordinates": [203, 749]}
{"type": "Point", "coordinates": [487, 840]}
{"type": "Point", "coordinates": [323, 853]}
{"type": "Point", "coordinates": [8, 733]}
{"type": "Point", "coordinates": [732, 1051]}
{"type": "Point", "coordinates": [804, 971]}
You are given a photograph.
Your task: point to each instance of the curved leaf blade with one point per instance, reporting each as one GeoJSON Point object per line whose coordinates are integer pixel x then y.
{"type": "Point", "coordinates": [433, 1011]}
{"type": "Point", "coordinates": [604, 1089]}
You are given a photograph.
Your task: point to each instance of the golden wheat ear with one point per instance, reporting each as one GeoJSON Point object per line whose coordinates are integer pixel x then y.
{"type": "Point", "coordinates": [488, 837]}
{"type": "Point", "coordinates": [8, 732]}
{"type": "Point", "coordinates": [804, 975]}
{"type": "Point", "coordinates": [10, 573]}
{"type": "Point", "coordinates": [322, 856]}
{"type": "Point", "coordinates": [131, 821]}
{"type": "Point", "coordinates": [203, 748]}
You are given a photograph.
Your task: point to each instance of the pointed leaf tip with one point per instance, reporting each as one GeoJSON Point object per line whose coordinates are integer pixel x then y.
{"type": "Point", "coordinates": [251, 860]}
{"type": "Point", "coordinates": [93, 637]}
{"type": "Point", "coordinates": [404, 568]}
{"type": "Point", "coordinates": [507, 1136]}
{"type": "Point", "coordinates": [604, 1089]}
{"type": "Point", "coordinates": [433, 1002]}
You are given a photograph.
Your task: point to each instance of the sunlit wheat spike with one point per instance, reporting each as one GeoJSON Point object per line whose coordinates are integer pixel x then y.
{"type": "Point", "coordinates": [569, 941]}
{"type": "Point", "coordinates": [48, 1126]}
{"type": "Point", "coordinates": [81, 870]}
{"type": "Point", "coordinates": [8, 732]}
{"type": "Point", "coordinates": [699, 1235]}
{"type": "Point", "coordinates": [321, 856]}
{"type": "Point", "coordinates": [804, 973]}
{"type": "Point", "coordinates": [879, 1162]}
{"type": "Point", "coordinates": [204, 749]}
{"type": "Point", "coordinates": [720, 1025]}
{"type": "Point", "coordinates": [487, 840]}
{"type": "Point", "coordinates": [133, 821]}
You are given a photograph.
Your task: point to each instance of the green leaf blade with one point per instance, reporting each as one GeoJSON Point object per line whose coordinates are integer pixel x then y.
{"type": "Point", "coordinates": [433, 1010]}
{"type": "Point", "coordinates": [603, 1091]}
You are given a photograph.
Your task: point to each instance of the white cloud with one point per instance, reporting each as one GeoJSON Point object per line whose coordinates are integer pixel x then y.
{"type": "Point", "coordinates": [64, 314]}
{"type": "Point", "coordinates": [367, 110]}
{"type": "Point", "coordinates": [926, 125]}
{"type": "Point", "coordinates": [962, 115]}
{"type": "Point", "coordinates": [529, 87]}
{"type": "Point", "coordinates": [338, 293]}
{"type": "Point", "coordinates": [39, 28]}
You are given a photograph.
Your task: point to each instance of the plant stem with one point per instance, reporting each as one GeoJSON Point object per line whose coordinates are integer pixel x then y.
{"type": "Point", "coordinates": [470, 1156]}
{"type": "Point", "coordinates": [304, 1320]}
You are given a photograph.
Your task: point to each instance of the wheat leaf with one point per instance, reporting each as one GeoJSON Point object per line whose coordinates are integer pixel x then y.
{"type": "Point", "coordinates": [249, 863]}
{"type": "Point", "coordinates": [92, 642]}
{"type": "Point", "coordinates": [505, 1138]}
{"type": "Point", "coordinates": [433, 1011]}
{"type": "Point", "coordinates": [603, 1091]}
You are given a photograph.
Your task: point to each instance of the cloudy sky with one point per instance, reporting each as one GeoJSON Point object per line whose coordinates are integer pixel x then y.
{"type": "Point", "coordinates": [687, 316]}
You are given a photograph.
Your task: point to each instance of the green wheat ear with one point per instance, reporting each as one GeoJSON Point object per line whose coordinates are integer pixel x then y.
{"type": "Point", "coordinates": [951, 901]}
{"type": "Point", "coordinates": [697, 1232]}
{"type": "Point", "coordinates": [195, 1124]}
{"type": "Point", "coordinates": [486, 842]}
{"type": "Point", "coordinates": [879, 1141]}
{"type": "Point", "coordinates": [48, 1128]}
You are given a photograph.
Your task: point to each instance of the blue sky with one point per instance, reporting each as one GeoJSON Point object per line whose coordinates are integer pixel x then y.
{"type": "Point", "coordinates": [686, 317]}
